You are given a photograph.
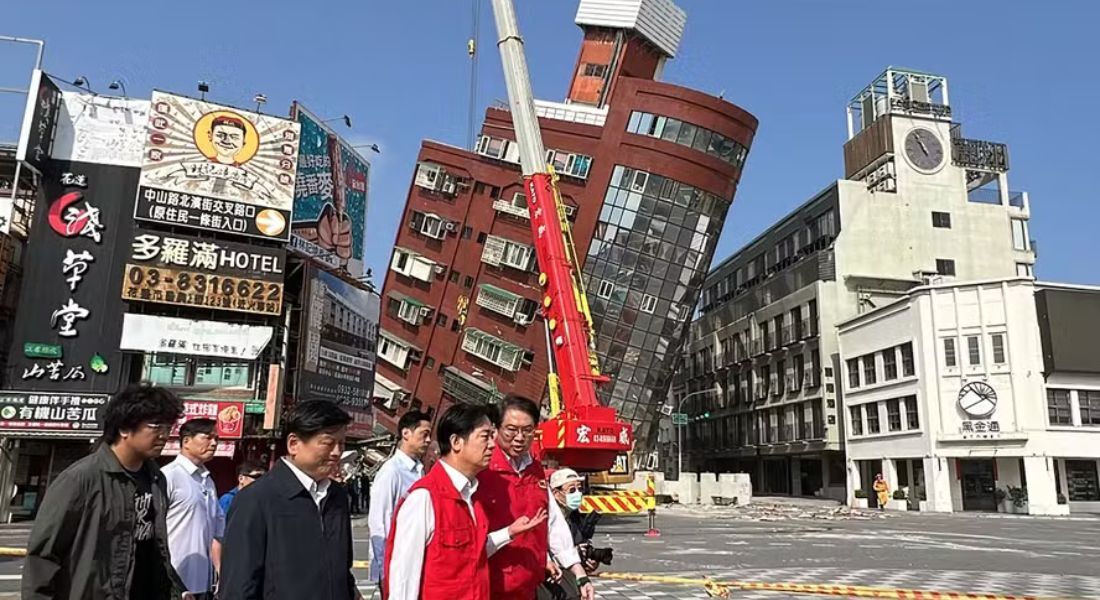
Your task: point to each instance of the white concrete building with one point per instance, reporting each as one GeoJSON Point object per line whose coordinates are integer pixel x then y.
{"type": "Point", "coordinates": [918, 202]}
{"type": "Point", "coordinates": [959, 392]}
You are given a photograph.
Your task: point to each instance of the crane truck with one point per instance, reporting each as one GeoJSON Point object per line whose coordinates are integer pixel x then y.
{"type": "Point", "coordinates": [581, 432]}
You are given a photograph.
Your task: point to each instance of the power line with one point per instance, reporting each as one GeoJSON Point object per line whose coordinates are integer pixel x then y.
{"type": "Point", "coordinates": [471, 49]}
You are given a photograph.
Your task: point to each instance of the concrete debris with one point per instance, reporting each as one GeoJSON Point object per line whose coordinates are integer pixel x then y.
{"type": "Point", "coordinates": [772, 510]}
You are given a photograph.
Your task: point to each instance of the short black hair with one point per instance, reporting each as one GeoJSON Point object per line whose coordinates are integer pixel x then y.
{"type": "Point", "coordinates": [520, 403]}
{"type": "Point", "coordinates": [248, 468]}
{"type": "Point", "coordinates": [311, 417]}
{"type": "Point", "coordinates": [138, 404]}
{"type": "Point", "coordinates": [410, 420]}
{"type": "Point", "coordinates": [460, 420]}
{"type": "Point", "coordinates": [197, 426]}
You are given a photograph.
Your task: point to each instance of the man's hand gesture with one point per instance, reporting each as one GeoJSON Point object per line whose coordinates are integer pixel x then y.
{"type": "Point", "coordinates": [525, 524]}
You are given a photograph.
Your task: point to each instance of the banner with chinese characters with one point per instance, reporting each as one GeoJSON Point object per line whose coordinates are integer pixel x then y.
{"type": "Point", "coordinates": [69, 319]}
{"type": "Point", "coordinates": [218, 168]}
{"type": "Point", "coordinates": [338, 344]}
{"type": "Point", "coordinates": [187, 271]}
{"type": "Point", "coordinates": [58, 413]}
{"type": "Point", "coordinates": [229, 417]}
{"type": "Point", "coordinates": [169, 335]}
{"type": "Point", "coordinates": [330, 196]}
{"type": "Point", "coordinates": [36, 136]}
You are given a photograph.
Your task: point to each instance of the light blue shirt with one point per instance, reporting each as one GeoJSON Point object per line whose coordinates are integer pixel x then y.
{"type": "Point", "coordinates": [391, 485]}
{"type": "Point", "coordinates": [194, 521]}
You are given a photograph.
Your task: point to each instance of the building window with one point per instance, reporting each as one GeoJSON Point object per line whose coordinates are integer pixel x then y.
{"type": "Point", "coordinates": [869, 371]}
{"type": "Point", "coordinates": [1019, 234]}
{"type": "Point", "coordinates": [872, 417]}
{"type": "Point", "coordinates": [468, 282]}
{"type": "Point", "coordinates": [686, 134]}
{"type": "Point", "coordinates": [456, 325]}
{"type": "Point", "coordinates": [853, 373]}
{"type": "Point", "coordinates": [893, 414]}
{"type": "Point", "coordinates": [890, 364]}
{"type": "Point", "coordinates": [974, 348]}
{"type": "Point", "coordinates": [949, 358]}
{"type": "Point", "coordinates": [781, 379]}
{"type": "Point", "coordinates": [1082, 481]}
{"type": "Point", "coordinates": [481, 237]}
{"type": "Point", "coordinates": [1089, 402]}
{"type": "Point", "coordinates": [800, 371]}
{"type": "Point", "coordinates": [441, 320]}
{"type": "Point", "coordinates": [912, 419]}
{"type": "Point", "coordinates": [467, 231]}
{"type": "Point", "coordinates": [945, 266]}
{"type": "Point", "coordinates": [453, 277]}
{"type": "Point", "coordinates": [998, 340]}
{"type": "Point", "coordinates": [429, 363]}
{"type": "Point", "coordinates": [857, 419]}
{"type": "Point", "coordinates": [492, 349]}
{"type": "Point", "coordinates": [941, 220]}
{"type": "Point", "coordinates": [1058, 407]}
{"type": "Point", "coordinates": [606, 289]}
{"type": "Point", "coordinates": [649, 303]}
{"type": "Point", "coordinates": [594, 70]}
{"type": "Point", "coordinates": [908, 369]}
{"type": "Point", "coordinates": [1024, 270]}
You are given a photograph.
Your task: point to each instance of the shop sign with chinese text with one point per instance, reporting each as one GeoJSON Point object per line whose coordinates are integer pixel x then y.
{"type": "Point", "coordinates": [218, 168]}
{"type": "Point", "coordinates": [68, 323]}
{"type": "Point", "coordinates": [188, 271]}
{"type": "Point", "coordinates": [32, 411]}
{"type": "Point", "coordinates": [169, 335]}
{"type": "Point", "coordinates": [229, 417]}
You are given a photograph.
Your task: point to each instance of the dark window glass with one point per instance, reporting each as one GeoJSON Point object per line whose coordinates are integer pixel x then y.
{"type": "Point", "coordinates": [1058, 407]}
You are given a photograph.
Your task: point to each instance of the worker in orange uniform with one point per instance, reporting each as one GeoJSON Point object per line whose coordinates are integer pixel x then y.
{"type": "Point", "coordinates": [515, 485]}
{"type": "Point", "coordinates": [882, 490]}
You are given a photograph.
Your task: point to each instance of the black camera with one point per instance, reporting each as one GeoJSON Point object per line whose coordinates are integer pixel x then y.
{"type": "Point", "coordinates": [589, 552]}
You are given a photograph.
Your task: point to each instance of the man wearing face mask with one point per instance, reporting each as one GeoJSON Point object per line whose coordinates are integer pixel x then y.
{"type": "Point", "coordinates": [567, 488]}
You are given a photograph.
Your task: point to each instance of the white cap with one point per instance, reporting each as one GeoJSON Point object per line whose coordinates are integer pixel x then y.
{"type": "Point", "coordinates": [562, 477]}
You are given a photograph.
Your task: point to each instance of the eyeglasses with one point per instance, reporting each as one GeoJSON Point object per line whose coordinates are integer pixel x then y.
{"type": "Point", "coordinates": [510, 432]}
{"type": "Point", "coordinates": [254, 475]}
{"type": "Point", "coordinates": [161, 428]}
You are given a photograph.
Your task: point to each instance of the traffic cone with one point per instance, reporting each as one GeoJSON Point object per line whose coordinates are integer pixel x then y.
{"type": "Point", "coordinates": [651, 502]}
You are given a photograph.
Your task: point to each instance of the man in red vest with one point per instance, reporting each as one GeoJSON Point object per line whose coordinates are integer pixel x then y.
{"type": "Point", "coordinates": [440, 543]}
{"type": "Point", "coordinates": [515, 485]}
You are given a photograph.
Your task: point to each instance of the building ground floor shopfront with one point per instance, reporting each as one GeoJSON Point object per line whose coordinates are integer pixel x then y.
{"type": "Point", "coordinates": [976, 481]}
{"type": "Point", "coordinates": [813, 473]}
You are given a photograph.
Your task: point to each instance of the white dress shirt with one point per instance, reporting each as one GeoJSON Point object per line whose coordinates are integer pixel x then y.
{"type": "Point", "coordinates": [194, 520]}
{"type": "Point", "coordinates": [391, 485]}
{"type": "Point", "coordinates": [416, 522]}
{"type": "Point", "coordinates": [317, 489]}
{"type": "Point", "coordinates": [561, 538]}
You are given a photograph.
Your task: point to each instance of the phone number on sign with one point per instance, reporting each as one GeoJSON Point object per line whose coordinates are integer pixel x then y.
{"type": "Point", "coordinates": [197, 289]}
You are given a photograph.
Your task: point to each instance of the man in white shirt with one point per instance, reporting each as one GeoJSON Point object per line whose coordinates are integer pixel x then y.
{"type": "Point", "coordinates": [393, 480]}
{"type": "Point", "coordinates": [423, 563]}
{"type": "Point", "coordinates": [195, 520]}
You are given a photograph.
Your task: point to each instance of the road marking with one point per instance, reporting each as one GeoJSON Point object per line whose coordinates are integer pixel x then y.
{"type": "Point", "coordinates": [823, 589]}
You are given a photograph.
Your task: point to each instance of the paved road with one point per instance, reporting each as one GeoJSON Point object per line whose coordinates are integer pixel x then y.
{"type": "Point", "coordinates": [962, 553]}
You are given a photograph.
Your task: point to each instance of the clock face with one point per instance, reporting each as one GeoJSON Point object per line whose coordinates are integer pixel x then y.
{"type": "Point", "coordinates": [924, 149]}
{"type": "Point", "coordinates": [978, 399]}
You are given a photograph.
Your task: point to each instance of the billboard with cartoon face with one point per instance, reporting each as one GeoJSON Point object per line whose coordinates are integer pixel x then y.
{"type": "Point", "coordinates": [217, 168]}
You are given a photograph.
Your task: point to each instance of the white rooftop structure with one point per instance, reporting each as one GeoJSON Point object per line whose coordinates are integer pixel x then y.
{"type": "Point", "coordinates": [659, 21]}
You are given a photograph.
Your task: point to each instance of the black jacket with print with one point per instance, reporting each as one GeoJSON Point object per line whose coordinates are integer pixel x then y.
{"type": "Point", "coordinates": [82, 545]}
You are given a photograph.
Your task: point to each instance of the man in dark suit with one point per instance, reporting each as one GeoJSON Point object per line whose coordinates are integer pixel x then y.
{"type": "Point", "coordinates": [289, 534]}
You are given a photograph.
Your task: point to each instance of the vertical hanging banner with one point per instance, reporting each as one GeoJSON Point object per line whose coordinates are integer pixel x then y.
{"type": "Point", "coordinates": [66, 334]}
{"type": "Point", "coordinates": [36, 137]}
{"type": "Point", "coordinates": [338, 354]}
{"type": "Point", "coordinates": [330, 196]}
{"type": "Point", "coordinates": [218, 168]}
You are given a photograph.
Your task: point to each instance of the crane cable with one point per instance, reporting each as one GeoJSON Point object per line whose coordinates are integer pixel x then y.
{"type": "Point", "coordinates": [471, 50]}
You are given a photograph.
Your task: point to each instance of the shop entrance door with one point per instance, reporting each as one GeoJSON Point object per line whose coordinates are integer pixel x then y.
{"type": "Point", "coordinates": [978, 485]}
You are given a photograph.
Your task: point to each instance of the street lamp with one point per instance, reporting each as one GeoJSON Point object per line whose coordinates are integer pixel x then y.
{"type": "Point", "coordinates": [373, 147]}
{"type": "Point", "coordinates": [346, 119]}
{"type": "Point", "coordinates": [679, 429]}
{"type": "Point", "coordinates": [118, 84]}
{"type": "Point", "coordinates": [82, 81]}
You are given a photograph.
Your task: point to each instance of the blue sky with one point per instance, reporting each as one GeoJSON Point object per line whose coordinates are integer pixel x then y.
{"type": "Point", "coordinates": [1021, 72]}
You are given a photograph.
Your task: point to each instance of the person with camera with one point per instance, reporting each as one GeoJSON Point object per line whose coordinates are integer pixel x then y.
{"type": "Point", "coordinates": [567, 487]}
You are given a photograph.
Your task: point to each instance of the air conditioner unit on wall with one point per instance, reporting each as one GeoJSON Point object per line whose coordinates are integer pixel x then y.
{"type": "Point", "coordinates": [425, 311]}
{"type": "Point", "coordinates": [450, 226]}
{"type": "Point", "coordinates": [438, 269]}
{"type": "Point", "coordinates": [449, 186]}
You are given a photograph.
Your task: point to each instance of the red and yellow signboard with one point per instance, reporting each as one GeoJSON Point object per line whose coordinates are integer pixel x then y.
{"type": "Point", "coordinates": [229, 417]}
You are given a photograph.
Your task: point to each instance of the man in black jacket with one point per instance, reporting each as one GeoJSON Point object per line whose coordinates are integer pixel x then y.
{"type": "Point", "coordinates": [100, 533]}
{"type": "Point", "coordinates": [289, 534]}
